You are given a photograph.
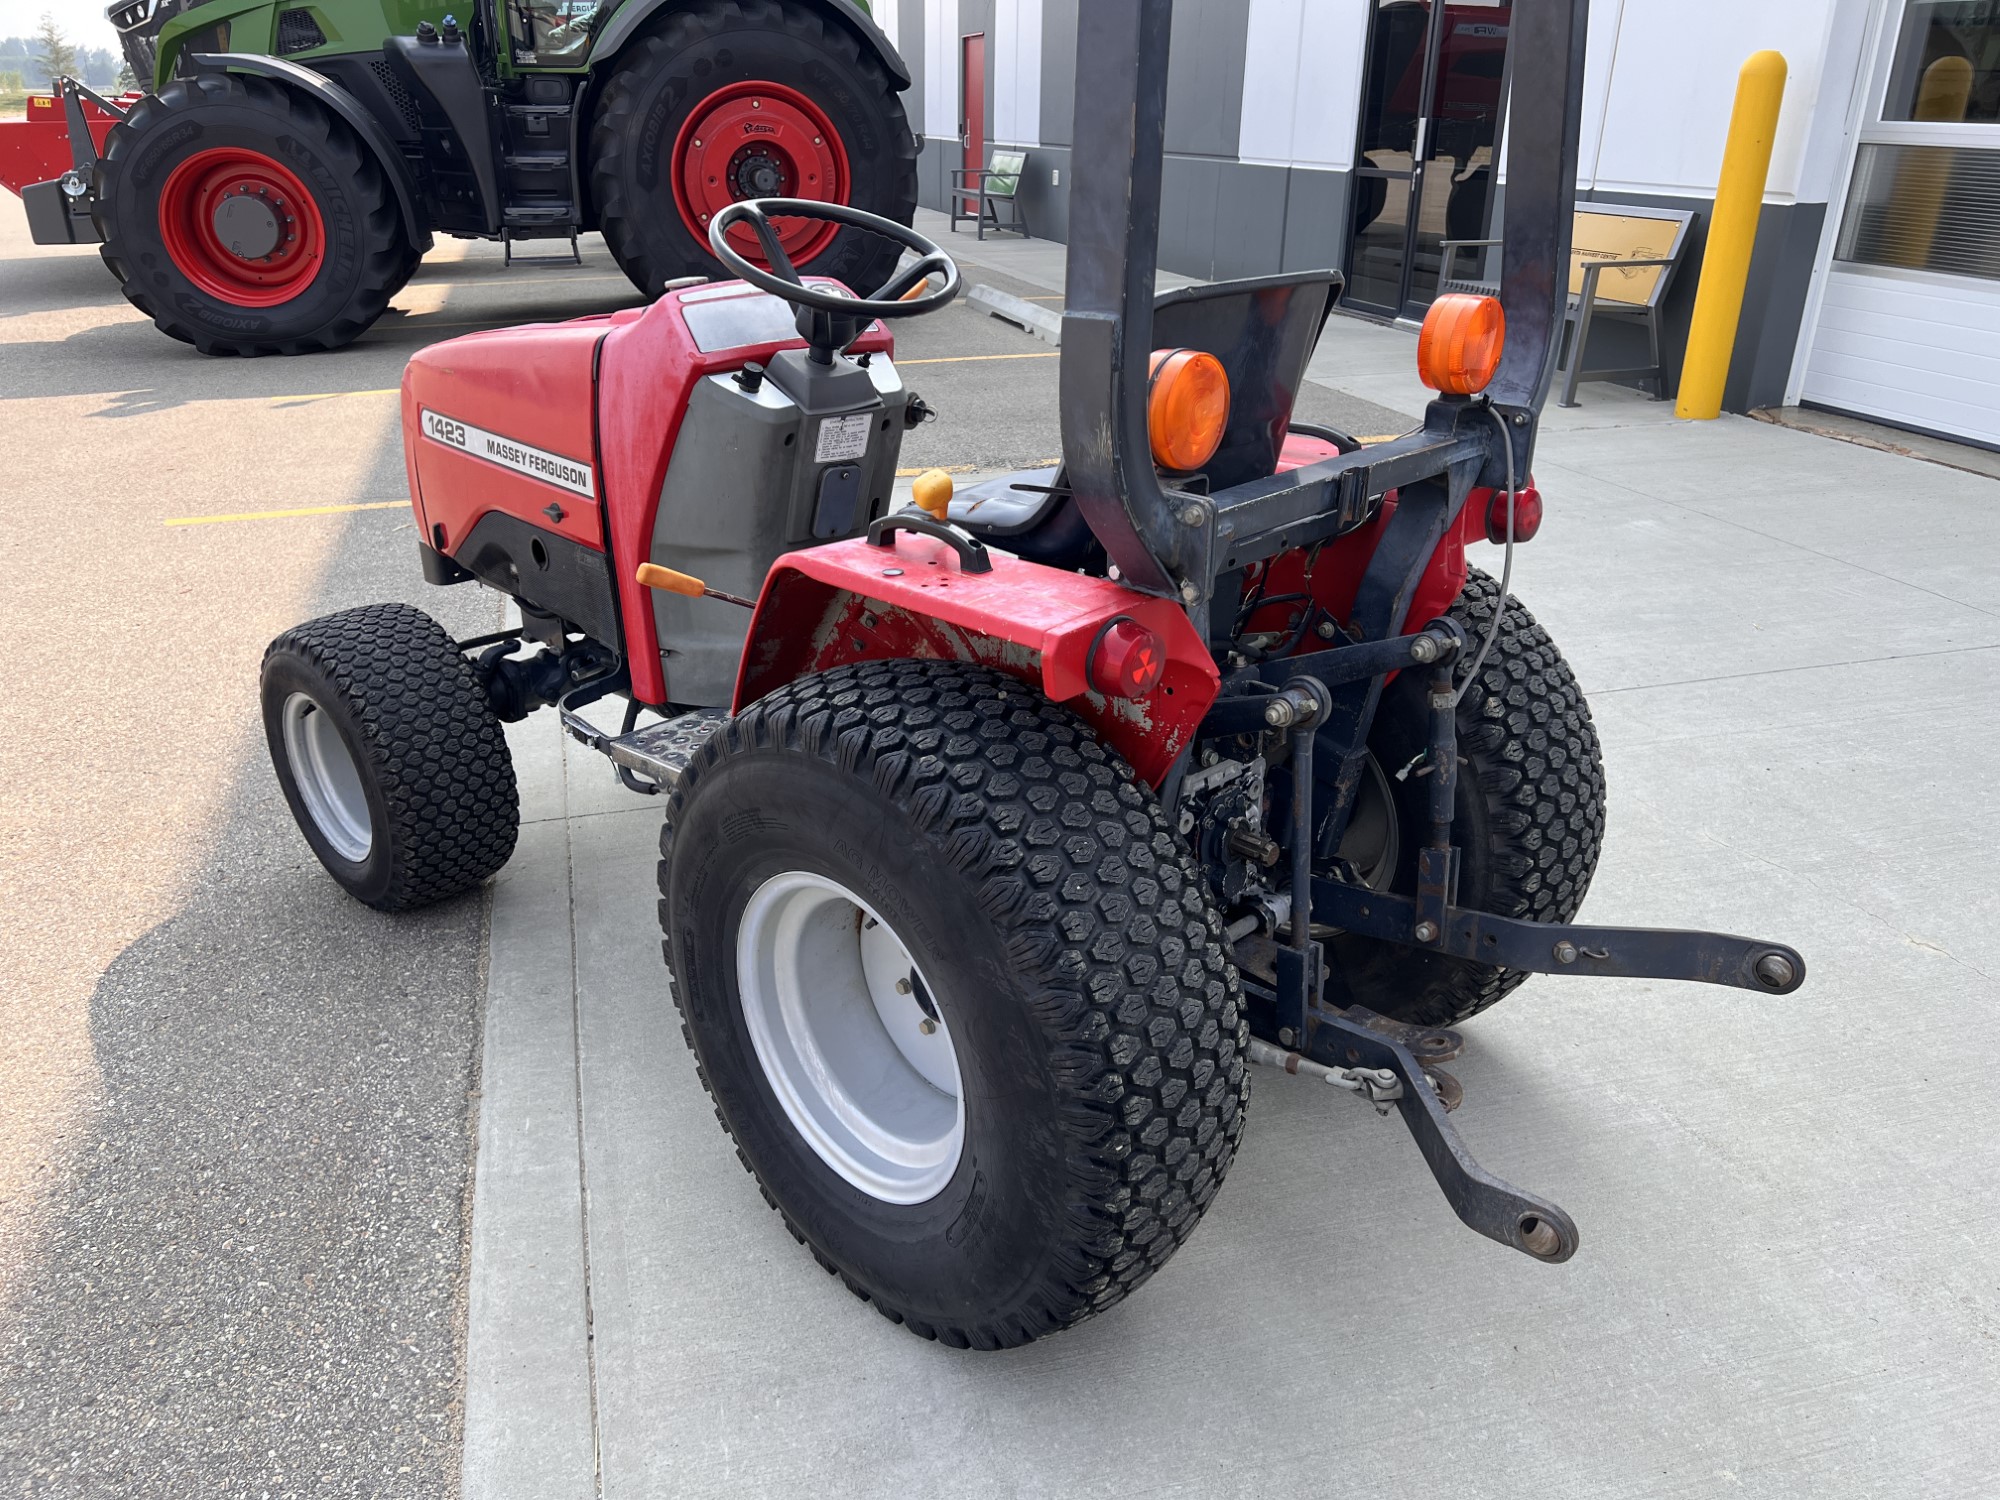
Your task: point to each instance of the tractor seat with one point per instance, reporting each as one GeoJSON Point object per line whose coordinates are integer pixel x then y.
{"type": "Point", "coordinates": [1035, 524]}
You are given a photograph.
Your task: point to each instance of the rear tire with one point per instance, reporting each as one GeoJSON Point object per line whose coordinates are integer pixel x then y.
{"type": "Point", "coordinates": [1075, 964]}
{"type": "Point", "coordinates": [341, 252]}
{"type": "Point", "coordinates": [694, 58]}
{"type": "Point", "coordinates": [1528, 820]}
{"type": "Point", "coordinates": [393, 763]}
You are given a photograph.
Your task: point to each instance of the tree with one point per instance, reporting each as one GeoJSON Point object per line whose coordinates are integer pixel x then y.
{"type": "Point", "coordinates": [58, 58]}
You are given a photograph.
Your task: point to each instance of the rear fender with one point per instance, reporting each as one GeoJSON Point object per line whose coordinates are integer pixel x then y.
{"type": "Point", "coordinates": [632, 17]}
{"type": "Point", "coordinates": [852, 601]}
{"type": "Point", "coordinates": [325, 92]}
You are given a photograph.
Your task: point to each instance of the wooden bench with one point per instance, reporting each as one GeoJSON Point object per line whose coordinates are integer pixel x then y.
{"type": "Point", "coordinates": [978, 192]}
{"type": "Point", "coordinates": [1621, 265]}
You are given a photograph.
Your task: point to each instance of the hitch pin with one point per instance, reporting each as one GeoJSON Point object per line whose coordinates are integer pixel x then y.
{"type": "Point", "coordinates": [1379, 1086]}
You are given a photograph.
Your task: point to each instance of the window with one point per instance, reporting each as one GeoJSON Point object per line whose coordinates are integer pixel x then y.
{"type": "Point", "coordinates": [1924, 208]}
{"type": "Point", "coordinates": [1947, 63]}
{"type": "Point", "coordinates": [552, 33]}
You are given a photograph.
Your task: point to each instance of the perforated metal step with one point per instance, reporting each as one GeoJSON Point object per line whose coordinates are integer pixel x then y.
{"type": "Point", "coordinates": [662, 751]}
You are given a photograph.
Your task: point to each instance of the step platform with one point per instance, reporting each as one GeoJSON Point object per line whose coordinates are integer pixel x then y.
{"type": "Point", "coordinates": [660, 752]}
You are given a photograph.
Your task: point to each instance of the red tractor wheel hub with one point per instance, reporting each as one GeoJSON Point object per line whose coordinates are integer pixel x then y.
{"type": "Point", "coordinates": [759, 140]}
{"type": "Point", "coordinates": [241, 227]}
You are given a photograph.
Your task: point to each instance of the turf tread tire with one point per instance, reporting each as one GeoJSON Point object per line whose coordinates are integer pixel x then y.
{"type": "Point", "coordinates": [643, 229]}
{"type": "Point", "coordinates": [371, 254]}
{"type": "Point", "coordinates": [421, 729]}
{"type": "Point", "coordinates": [1104, 918]}
{"type": "Point", "coordinates": [1530, 811]}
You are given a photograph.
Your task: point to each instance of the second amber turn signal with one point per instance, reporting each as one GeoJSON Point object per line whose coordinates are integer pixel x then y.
{"type": "Point", "coordinates": [1187, 408]}
{"type": "Point", "coordinates": [1459, 348]}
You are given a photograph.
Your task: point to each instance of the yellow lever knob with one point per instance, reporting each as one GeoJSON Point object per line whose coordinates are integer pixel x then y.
{"type": "Point", "coordinates": [653, 576]}
{"type": "Point", "coordinates": [932, 492]}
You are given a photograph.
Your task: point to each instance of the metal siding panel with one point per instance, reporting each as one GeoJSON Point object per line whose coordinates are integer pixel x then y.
{"type": "Point", "coordinates": [1250, 220]}
{"type": "Point", "coordinates": [1058, 102]}
{"type": "Point", "coordinates": [910, 43]}
{"type": "Point", "coordinates": [1189, 192]}
{"type": "Point", "coordinates": [1205, 77]}
{"type": "Point", "coordinates": [1047, 206]}
{"type": "Point", "coordinates": [1917, 353]}
{"type": "Point", "coordinates": [1315, 220]}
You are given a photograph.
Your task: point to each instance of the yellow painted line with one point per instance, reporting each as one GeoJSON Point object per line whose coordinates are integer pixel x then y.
{"type": "Point", "coordinates": [281, 515]}
{"type": "Point", "coordinates": [947, 468]}
{"type": "Point", "coordinates": [312, 396]}
{"type": "Point", "coordinates": [960, 359]}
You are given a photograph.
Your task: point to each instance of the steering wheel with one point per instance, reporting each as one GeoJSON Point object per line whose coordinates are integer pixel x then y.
{"type": "Point", "coordinates": [783, 279]}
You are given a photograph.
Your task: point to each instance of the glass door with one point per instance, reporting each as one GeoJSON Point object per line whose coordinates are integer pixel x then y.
{"type": "Point", "coordinates": [1431, 107]}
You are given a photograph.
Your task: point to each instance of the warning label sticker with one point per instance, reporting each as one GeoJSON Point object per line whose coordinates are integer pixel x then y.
{"type": "Point", "coordinates": [843, 439]}
{"type": "Point", "coordinates": [522, 458]}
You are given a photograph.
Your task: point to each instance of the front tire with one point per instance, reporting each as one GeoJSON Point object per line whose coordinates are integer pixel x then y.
{"type": "Point", "coordinates": [393, 763]}
{"type": "Point", "coordinates": [944, 819]}
{"type": "Point", "coordinates": [244, 219]}
{"type": "Point", "coordinates": [731, 99]}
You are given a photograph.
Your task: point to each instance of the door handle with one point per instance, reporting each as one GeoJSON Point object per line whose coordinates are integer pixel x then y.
{"type": "Point", "coordinates": [1423, 138]}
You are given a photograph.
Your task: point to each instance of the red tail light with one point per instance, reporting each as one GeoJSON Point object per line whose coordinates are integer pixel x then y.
{"type": "Point", "coordinates": [1127, 661]}
{"type": "Point", "coordinates": [1527, 515]}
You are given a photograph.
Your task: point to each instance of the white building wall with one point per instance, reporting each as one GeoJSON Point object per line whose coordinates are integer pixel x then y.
{"type": "Point", "coordinates": [1302, 82]}
{"type": "Point", "coordinates": [1016, 41]}
{"type": "Point", "coordinates": [1662, 78]}
{"type": "Point", "coordinates": [940, 69]}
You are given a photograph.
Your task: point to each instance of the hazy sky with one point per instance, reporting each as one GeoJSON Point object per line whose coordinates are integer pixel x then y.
{"type": "Point", "coordinates": [82, 21]}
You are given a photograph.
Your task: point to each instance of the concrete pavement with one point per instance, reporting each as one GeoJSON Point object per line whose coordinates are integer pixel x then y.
{"type": "Point", "coordinates": [242, 1119]}
{"type": "Point", "coordinates": [1787, 1285]}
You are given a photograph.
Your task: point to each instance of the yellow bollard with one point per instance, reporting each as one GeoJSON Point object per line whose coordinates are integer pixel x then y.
{"type": "Point", "coordinates": [1732, 232]}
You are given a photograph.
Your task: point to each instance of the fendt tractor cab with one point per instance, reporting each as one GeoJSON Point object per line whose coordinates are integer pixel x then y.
{"type": "Point", "coordinates": [294, 159]}
{"type": "Point", "coordinates": [1004, 831]}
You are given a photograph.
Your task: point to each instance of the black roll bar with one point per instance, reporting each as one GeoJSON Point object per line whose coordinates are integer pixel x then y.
{"type": "Point", "coordinates": [1173, 543]}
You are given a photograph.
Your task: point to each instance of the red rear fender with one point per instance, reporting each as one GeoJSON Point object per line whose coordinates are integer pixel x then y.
{"type": "Point", "coordinates": [850, 601]}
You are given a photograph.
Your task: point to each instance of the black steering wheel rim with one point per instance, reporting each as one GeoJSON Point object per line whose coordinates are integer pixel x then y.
{"type": "Point", "coordinates": [782, 279]}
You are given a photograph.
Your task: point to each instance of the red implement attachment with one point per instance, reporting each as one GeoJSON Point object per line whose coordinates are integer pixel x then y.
{"type": "Point", "coordinates": [855, 601]}
{"type": "Point", "coordinates": [36, 149]}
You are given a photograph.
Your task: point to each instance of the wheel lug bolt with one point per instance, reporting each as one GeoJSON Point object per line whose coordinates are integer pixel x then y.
{"type": "Point", "coordinates": [902, 986]}
{"type": "Point", "coordinates": [927, 1026]}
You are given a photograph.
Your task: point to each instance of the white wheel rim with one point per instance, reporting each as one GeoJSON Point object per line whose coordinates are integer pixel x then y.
{"type": "Point", "coordinates": [329, 782]}
{"type": "Point", "coordinates": [864, 1070]}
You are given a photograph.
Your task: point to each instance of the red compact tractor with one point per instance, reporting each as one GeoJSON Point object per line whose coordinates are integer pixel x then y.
{"type": "Point", "coordinates": [1005, 831]}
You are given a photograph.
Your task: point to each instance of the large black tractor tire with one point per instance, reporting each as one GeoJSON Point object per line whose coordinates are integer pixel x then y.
{"type": "Point", "coordinates": [696, 56]}
{"type": "Point", "coordinates": [217, 166]}
{"type": "Point", "coordinates": [1052, 935]}
{"type": "Point", "coordinates": [1528, 819]}
{"type": "Point", "coordinates": [391, 759]}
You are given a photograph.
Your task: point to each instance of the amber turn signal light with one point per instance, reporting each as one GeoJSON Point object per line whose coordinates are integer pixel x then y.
{"type": "Point", "coordinates": [1127, 661]}
{"type": "Point", "coordinates": [1187, 407]}
{"type": "Point", "coordinates": [1459, 349]}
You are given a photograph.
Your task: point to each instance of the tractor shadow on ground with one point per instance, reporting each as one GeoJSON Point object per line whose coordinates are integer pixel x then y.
{"type": "Point", "coordinates": [251, 1269]}
{"type": "Point", "coordinates": [57, 280]}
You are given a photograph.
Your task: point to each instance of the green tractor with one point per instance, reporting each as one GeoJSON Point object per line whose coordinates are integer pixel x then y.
{"type": "Point", "coordinates": [295, 158]}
